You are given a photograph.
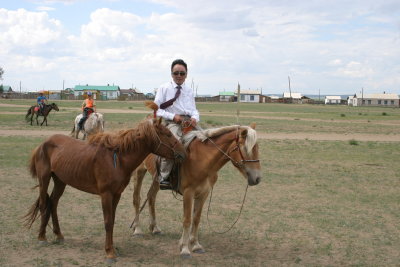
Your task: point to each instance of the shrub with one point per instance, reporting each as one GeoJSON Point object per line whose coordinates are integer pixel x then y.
{"type": "Point", "coordinates": [353, 142]}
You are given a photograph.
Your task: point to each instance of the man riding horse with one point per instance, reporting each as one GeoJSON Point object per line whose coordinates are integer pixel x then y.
{"type": "Point", "coordinates": [176, 102]}
{"type": "Point", "coordinates": [88, 107]}
{"type": "Point", "coordinates": [41, 101]}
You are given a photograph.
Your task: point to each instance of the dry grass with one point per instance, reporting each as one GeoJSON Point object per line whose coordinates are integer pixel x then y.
{"type": "Point", "coordinates": [321, 203]}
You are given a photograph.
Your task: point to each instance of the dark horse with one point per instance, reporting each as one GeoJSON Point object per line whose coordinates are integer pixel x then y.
{"type": "Point", "coordinates": [102, 166]}
{"type": "Point", "coordinates": [45, 111]}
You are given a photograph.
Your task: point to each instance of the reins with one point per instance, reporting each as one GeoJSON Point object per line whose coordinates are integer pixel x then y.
{"type": "Point", "coordinates": [237, 219]}
{"type": "Point", "coordinates": [237, 164]}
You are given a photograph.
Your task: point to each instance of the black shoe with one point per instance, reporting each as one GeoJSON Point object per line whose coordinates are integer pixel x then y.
{"type": "Point", "coordinates": [165, 185]}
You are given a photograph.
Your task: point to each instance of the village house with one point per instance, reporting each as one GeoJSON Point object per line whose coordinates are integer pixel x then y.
{"type": "Point", "coordinates": [332, 99]}
{"type": "Point", "coordinates": [385, 100]}
{"type": "Point", "coordinates": [103, 92]}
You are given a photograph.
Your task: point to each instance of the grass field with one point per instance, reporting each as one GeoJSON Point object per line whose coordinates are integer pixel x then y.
{"type": "Point", "coordinates": [320, 203]}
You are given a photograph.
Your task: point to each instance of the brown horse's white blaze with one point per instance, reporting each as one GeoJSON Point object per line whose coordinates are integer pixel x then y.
{"type": "Point", "coordinates": [102, 166]}
{"type": "Point", "coordinates": [206, 155]}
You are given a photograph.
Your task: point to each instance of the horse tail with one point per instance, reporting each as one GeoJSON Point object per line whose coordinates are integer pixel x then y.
{"type": "Point", "coordinates": [37, 153]}
{"type": "Point", "coordinates": [32, 162]}
{"type": "Point", "coordinates": [33, 212]}
{"type": "Point", "coordinates": [73, 131]}
{"type": "Point", "coordinates": [31, 216]}
{"type": "Point", "coordinates": [28, 113]}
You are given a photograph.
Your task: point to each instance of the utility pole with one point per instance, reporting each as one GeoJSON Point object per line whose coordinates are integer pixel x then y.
{"type": "Point", "coordinates": [362, 96]}
{"type": "Point", "coordinates": [238, 104]}
{"type": "Point", "coordinates": [290, 91]}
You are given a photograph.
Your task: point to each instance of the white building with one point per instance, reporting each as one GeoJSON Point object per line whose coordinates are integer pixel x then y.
{"type": "Point", "coordinates": [385, 100]}
{"type": "Point", "coordinates": [332, 99]}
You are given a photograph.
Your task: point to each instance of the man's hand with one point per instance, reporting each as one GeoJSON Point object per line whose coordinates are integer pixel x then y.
{"type": "Point", "coordinates": [177, 118]}
{"type": "Point", "coordinates": [193, 122]}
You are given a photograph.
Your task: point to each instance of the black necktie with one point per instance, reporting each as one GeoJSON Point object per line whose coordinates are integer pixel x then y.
{"type": "Point", "coordinates": [169, 102]}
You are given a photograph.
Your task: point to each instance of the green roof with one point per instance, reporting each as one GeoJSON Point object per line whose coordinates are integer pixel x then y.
{"type": "Point", "coordinates": [96, 87]}
{"type": "Point", "coordinates": [227, 93]}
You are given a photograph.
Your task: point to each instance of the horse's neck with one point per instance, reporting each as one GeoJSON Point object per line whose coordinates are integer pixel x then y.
{"type": "Point", "coordinates": [214, 153]}
{"type": "Point", "coordinates": [133, 157]}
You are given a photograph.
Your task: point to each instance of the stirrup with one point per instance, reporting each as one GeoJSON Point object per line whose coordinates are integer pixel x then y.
{"type": "Point", "coordinates": [165, 185]}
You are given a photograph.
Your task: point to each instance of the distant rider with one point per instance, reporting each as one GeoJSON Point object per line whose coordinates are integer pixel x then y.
{"type": "Point", "coordinates": [88, 107]}
{"type": "Point", "coordinates": [41, 101]}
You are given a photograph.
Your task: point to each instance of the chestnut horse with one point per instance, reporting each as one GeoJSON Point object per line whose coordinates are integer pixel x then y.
{"type": "Point", "coordinates": [102, 166]}
{"type": "Point", "coordinates": [209, 151]}
{"type": "Point", "coordinates": [34, 110]}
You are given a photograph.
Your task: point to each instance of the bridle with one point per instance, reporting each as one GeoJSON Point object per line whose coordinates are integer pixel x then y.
{"type": "Point", "coordinates": [239, 164]}
{"type": "Point", "coordinates": [161, 143]}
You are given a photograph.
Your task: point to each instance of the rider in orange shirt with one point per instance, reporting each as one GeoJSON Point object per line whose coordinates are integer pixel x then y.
{"type": "Point", "coordinates": [88, 107]}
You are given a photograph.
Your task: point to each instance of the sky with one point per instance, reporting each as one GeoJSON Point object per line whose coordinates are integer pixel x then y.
{"type": "Point", "coordinates": [327, 47]}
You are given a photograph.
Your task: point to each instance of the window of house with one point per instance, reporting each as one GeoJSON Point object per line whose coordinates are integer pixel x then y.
{"type": "Point", "coordinates": [369, 102]}
{"type": "Point", "coordinates": [379, 102]}
{"type": "Point", "coordinates": [241, 97]}
{"type": "Point", "coordinates": [391, 102]}
{"type": "Point", "coordinates": [386, 102]}
{"type": "Point", "coordinates": [252, 97]}
{"type": "Point", "coordinates": [363, 102]}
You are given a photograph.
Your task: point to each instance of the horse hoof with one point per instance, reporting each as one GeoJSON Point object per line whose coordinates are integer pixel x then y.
{"type": "Point", "coordinates": [59, 241]}
{"type": "Point", "coordinates": [199, 251]}
{"type": "Point", "coordinates": [138, 235]}
{"type": "Point", "coordinates": [186, 256]}
{"type": "Point", "coordinates": [110, 261]}
{"type": "Point", "coordinates": [157, 233]}
{"type": "Point", "coordinates": [42, 242]}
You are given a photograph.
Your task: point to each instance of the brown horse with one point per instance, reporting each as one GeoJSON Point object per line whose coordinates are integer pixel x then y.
{"type": "Point", "coordinates": [209, 151]}
{"type": "Point", "coordinates": [103, 166]}
{"type": "Point", "coordinates": [34, 110]}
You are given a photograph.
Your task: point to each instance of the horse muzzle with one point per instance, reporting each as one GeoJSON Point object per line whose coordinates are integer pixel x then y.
{"type": "Point", "coordinates": [253, 177]}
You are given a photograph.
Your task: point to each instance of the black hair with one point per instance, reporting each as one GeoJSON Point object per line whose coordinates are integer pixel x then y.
{"type": "Point", "coordinates": [179, 62]}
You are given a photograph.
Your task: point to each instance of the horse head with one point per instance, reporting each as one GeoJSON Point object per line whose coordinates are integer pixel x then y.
{"type": "Point", "coordinates": [167, 145]}
{"type": "Point", "coordinates": [54, 106]}
{"type": "Point", "coordinates": [244, 154]}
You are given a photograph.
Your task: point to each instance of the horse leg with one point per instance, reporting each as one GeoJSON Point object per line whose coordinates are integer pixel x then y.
{"type": "Point", "coordinates": [151, 196]}
{"type": "Point", "coordinates": [44, 204]}
{"type": "Point", "coordinates": [32, 118]}
{"type": "Point", "coordinates": [194, 236]}
{"type": "Point", "coordinates": [37, 121]}
{"type": "Point", "coordinates": [138, 176]}
{"type": "Point", "coordinates": [58, 190]}
{"type": "Point", "coordinates": [44, 119]}
{"type": "Point", "coordinates": [188, 196]}
{"type": "Point", "coordinates": [109, 204]}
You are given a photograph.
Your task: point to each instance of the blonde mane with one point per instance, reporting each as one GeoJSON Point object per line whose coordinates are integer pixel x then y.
{"type": "Point", "coordinates": [125, 140]}
{"type": "Point", "coordinates": [250, 142]}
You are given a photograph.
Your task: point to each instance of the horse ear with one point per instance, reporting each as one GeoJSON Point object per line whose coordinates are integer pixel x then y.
{"type": "Point", "coordinates": [253, 125]}
{"type": "Point", "coordinates": [158, 121]}
{"type": "Point", "coordinates": [243, 134]}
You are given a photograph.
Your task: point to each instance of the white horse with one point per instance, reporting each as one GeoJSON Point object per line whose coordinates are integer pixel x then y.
{"type": "Point", "coordinates": [93, 124]}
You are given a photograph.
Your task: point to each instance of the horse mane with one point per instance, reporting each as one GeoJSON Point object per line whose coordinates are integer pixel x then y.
{"type": "Point", "coordinates": [124, 140]}
{"type": "Point", "coordinates": [203, 135]}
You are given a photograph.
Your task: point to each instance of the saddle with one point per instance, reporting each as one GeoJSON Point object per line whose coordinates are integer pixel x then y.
{"type": "Point", "coordinates": [174, 176]}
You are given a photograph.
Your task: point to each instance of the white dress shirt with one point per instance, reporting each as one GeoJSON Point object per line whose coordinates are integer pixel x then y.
{"type": "Point", "coordinates": [183, 105]}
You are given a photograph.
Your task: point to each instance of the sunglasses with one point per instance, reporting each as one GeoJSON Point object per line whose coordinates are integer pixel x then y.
{"type": "Point", "coordinates": [179, 73]}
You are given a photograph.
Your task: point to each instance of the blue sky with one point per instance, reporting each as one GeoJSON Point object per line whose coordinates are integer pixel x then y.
{"type": "Point", "coordinates": [327, 47]}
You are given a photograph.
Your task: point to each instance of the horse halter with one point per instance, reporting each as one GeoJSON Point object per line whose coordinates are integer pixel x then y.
{"type": "Point", "coordinates": [160, 143]}
{"type": "Point", "coordinates": [243, 161]}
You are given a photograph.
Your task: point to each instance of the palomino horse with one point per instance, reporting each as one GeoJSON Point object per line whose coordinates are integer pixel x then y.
{"type": "Point", "coordinates": [45, 111]}
{"type": "Point", "coordinates": [103, 166]}
{"type": "Point", "coordinates": [209, 151]}
{"type": "Point", "coordinates": [94, 124]}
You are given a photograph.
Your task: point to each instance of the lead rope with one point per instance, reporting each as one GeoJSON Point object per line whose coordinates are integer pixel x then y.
{"type": "Point", "coordinates": [237, 219]}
